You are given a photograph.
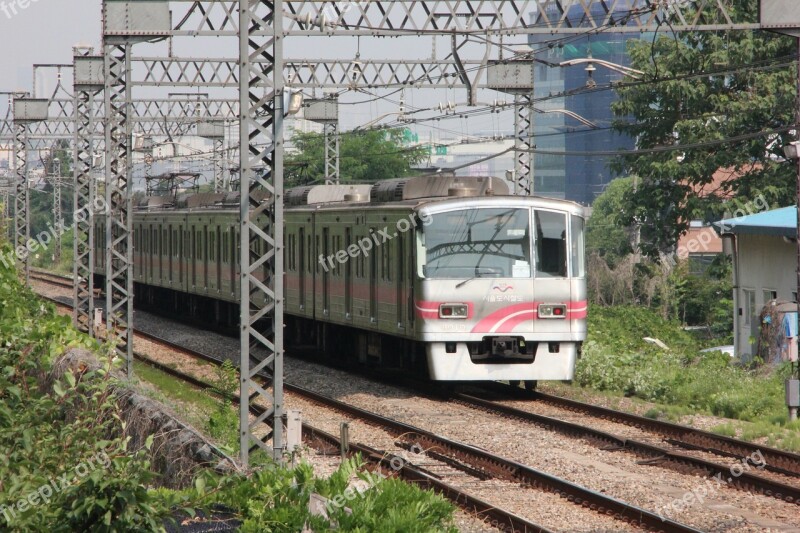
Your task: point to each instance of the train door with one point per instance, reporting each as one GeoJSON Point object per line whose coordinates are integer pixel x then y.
{"type": "Point", "coordinates": [218, 257]}
{"type": "Point", "coordinates": [400, 276]}
{"type": "Point", "coordinates": [234, 247]}
{"type": "Point", "coordinates": [348, 277]}
{"type": "Point", "coordinates": [204, 251]}
{"type": "Point", "coordinates": [326, 283]}
{"type": "Point", "coordinates": [171, 252]}
{"type": "Point", "coordinates": [411, 276]}
{"type": "Point", "coordinates": [193, 259]}
{"type": "Point", "coordinates": [151, 253]}
{"type": "Point", "coordinates": [301, 270]}
{"type": "Point", "coordinates": [181, 253]}
{"type": "Point", "coordinates": [164, 251]}
{"type": "Point", "coordinates": [137, 250]}
{"type": "Point", "coordinates": [145, 251]}
{"type": "Point", "coordinates": [373, 284]}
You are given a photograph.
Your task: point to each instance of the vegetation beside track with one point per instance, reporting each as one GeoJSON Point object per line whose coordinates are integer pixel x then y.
{"type": "Point", "coordinates": [683, 379]}
{"type": "Point", "coordinates": [65, 465]}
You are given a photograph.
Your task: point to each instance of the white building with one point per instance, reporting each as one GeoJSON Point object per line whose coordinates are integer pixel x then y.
{"type": "Point", "coordinates": [764, 253]}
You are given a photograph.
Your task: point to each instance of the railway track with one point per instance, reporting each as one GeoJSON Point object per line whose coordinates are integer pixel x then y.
{"type": "Point", "coordinates": [470, 460]}
{"type": "Point", "coordinates": [52, 278]}
{"type": "Point", "coordinates": [778, 461]}
{"type": "Point", "coordinates": [655, 455]}
{"type": "Point", "coordinates": [784, 463]}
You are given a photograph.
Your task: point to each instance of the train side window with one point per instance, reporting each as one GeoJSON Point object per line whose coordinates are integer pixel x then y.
{"type": "Point", "coordinates": [577, 245]}
{"type": "Point", "coordinates": [363, 262]}
{"type": "Point", "coordinates": [224, 245]}
{"type": "Point", "coordinates": [318, 248]}
{"type": "Point", "coordinates": [289, 253]}
{"type": "Point", "coordinates": [388, 261]}
{"type": "Point", "coordinates": [213, 241]}
{"type": "Point", "coordinates": [551, 244]}
{"type": "Point", "coordinates": [310, 254]}
{"type": "Point", "coordinates": [294, 253]}
{"type": "Point", "coordinates": [339, 271]}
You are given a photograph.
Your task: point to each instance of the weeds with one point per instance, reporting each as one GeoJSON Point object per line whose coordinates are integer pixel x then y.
{"type": "Point", "coordinates": [681, 379]}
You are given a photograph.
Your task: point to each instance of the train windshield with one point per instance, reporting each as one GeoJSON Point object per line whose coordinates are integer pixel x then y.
{"type": "Point", "coordinates": [494, 243]}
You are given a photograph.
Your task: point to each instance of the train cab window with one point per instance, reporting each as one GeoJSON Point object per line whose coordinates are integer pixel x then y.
{"type": "Point", "coordinates": [578, 254]}
{"type": "Point", "coordinates": [476, 243]}
{"type": "Point", "coordinates": [551, 244]}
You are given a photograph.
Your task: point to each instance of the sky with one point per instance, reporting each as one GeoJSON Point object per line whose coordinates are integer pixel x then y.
{"type": "Point", "coordinates": [43, 32]}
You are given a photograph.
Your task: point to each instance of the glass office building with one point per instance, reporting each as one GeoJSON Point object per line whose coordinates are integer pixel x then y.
{"type": "Point", "coordinates": [581, 177]}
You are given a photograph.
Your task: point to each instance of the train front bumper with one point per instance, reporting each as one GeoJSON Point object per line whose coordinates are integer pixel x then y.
{"type": "Point", "coordinates": [460, 366]}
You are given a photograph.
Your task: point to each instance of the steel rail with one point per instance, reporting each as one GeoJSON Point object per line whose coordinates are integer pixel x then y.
{"type": "Point", "coordinates": [492, 464]}
{"type": "Point", "coordinates": [53, 279]}
{"type": "Point", "coordinates": [779, 461]}
{"type": "Point", "coordinates": [654, 454]}
{"type": "Point", "coordinates": [384, 460]}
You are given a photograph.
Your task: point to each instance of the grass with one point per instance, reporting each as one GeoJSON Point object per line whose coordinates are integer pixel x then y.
{"type": "Point", "coordinates": [728, 429]}
{"type": "Point", "coordinates": [682, 380]}
{"type": "Point", "coordinates": [195, 405]}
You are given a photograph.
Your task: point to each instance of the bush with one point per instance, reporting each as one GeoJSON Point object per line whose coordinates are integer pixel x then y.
{"type": "Point", "coordinates": [276, 500]}
{"type": "Point", "coordinates": [65, 464]}
{"type": "Point", "coordinates": [615, 358]}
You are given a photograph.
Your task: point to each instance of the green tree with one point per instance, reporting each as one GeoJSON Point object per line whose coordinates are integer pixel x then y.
{"type": "Point", "coordinates": [706, 87]}
{"type": "Point", "coordinates": [365, 156]}
{"type": "Point", "coordinates": [606, 232]}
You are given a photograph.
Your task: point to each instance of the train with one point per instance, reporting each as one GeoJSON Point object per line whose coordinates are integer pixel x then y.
{"type": "Point", "coordinates": [447, 275]}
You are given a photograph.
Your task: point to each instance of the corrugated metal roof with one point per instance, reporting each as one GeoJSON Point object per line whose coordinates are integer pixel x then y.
{"type": "Point", "coordinates": [780, 222]}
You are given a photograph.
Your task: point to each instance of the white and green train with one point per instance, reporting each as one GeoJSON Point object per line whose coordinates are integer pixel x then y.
{"type": "Point", "coordinates": [448, 273]}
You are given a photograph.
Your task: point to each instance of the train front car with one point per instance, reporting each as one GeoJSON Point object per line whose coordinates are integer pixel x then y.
{"type": "Point", "coordinates": [502, 288]}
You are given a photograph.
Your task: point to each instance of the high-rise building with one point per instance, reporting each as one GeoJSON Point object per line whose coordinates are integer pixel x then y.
{"type": "Point", "coordinates": [580, 177]}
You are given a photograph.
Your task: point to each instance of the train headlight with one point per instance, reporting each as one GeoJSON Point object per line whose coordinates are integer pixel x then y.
{"type": "Point", "coordinates": [453, 311]}
{"type": "Point", "coordinates": [552, 311]}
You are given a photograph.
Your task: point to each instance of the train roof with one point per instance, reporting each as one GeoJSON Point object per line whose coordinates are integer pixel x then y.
{"type": "Point", "coordinates": [414, 191]}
